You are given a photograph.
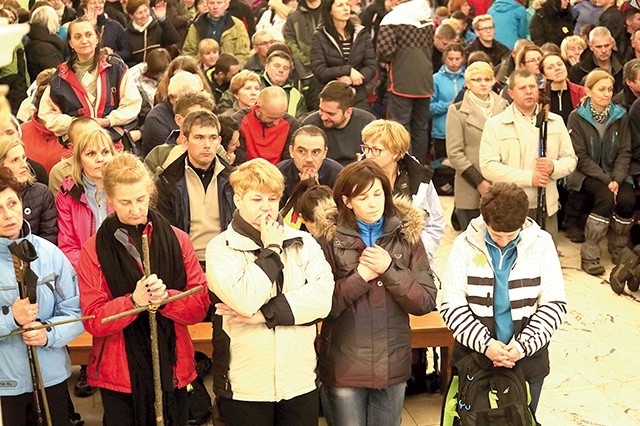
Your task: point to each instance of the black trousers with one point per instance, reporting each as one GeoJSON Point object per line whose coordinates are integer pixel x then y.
{"type": "Point", "coordinates": [118, 408]}
{"type": "Point", "coordinates": [603, 202]}
{"type": "Point", "coordinates": [302, 410]}
{"type": "Point", "coordinates": [20, 409]}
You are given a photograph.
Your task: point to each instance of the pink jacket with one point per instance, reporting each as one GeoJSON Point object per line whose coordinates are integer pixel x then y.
{"type": "Point", "coordinates": [75, 220]}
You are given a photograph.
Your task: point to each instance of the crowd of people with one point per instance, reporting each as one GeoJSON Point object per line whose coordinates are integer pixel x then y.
{"type": "Point", "coordinates": [290, 156]}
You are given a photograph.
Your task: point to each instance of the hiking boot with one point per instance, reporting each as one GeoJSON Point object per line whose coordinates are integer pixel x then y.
{"type": "Point", "coordinates": [594, 232]}
{"type": "Point", "coordinates": [623, 271]}
{"type": "Point", "coordinates": [593, 268]}
{"type": "Point", "coordinates": [82, 388]}
{"type": "Point", "coordinates": [619, 232]}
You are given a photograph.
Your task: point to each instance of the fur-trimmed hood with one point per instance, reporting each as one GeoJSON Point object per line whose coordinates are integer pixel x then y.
{"type": "Point", "coordinates": [411, 217]}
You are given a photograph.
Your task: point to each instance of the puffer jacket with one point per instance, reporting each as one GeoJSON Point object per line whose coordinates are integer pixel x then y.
{"type": "Point", "coordinates": [156, 34]}
{"type": "Point", "coordinates": [277, 360]}
{"type": "Point", "coordinates": [75, 219]}
{"type": "Point", "coordinates": [108, 367]}
{"type": "Point", "coordinates": [536, 292]}
{"type": "Point", "coordinates": [366, 340]}
{"type": "Point", "coordinates": [606, 159]}
{"type": "Point", "coordinates": [551, 24]}
{"type": "Point", "coordinates": [57, 297]}
{"type": "Point", "coordinates": [39, 209]}
{"type": "Point", "coordinates": [328, 63]}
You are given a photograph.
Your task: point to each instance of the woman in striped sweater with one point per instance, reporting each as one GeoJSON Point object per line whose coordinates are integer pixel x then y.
{"type": "Point", "coordinates": [503, 291]}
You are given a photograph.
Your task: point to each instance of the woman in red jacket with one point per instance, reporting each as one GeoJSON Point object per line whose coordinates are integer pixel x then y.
{"type": "Point", "coordinates": [111, 280]}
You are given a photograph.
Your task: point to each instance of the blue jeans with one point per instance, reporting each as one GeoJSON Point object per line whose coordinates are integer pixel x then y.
{"type": "Point", "coordinates": [413, 114]}
{"type": "Point", "coordinates": [364, 406]}
{"type": "Point", "coordinates": [535, 388]}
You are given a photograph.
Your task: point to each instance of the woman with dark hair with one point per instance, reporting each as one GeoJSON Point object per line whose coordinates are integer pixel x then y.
{"type": "Point", "coordinates": [90, 84]}
{"type": "Point", "coordinates": [147, 31]}
{"type": "Point", "coordinates": [600, 134]}
{"type": "Point", "coordinates": [343, 51]}
{"type": "Point", "coordinates": [552, 23]}
{"type": "Point", "coordinates": [39, 206]}
{"type": "Point", "coordinates": [111, 281]}
{"type": "Point", "coordinates": [565, 95]}
{"type": "Point", "coordinates": [372, 242]}
{"type": "Point", "coordinates": [56, 300]}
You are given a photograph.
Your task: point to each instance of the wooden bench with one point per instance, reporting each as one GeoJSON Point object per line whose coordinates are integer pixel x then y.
{"type": "Point", "coordinates": [426, 331]}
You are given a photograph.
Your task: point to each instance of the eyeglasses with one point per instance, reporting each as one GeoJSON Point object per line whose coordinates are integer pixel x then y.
{"type": "Point", "coordinates": [482, 80]}
{"type": "Point", "coordinates": [486, 28]}
{"type": "Point", "coordinates": [533, 61]}
{"type": "Point", "coordinates": [265, 43]}
{"type": "Point", "coordinates": [374, 151]}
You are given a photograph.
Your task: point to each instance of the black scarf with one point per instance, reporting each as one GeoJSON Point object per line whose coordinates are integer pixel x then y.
{"type": "Point", "coordinates": [120, 261]}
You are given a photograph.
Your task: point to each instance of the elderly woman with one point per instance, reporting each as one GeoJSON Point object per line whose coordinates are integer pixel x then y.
{"type": "Point", "coordinates": [44, 48]}
{"type": "Point", "coordinates": [386, 143]}
{"type": "Point", "coordinates": [56, 300]}
{"type": "Point", "coordinates": [147, 31]}
{"type": "Point", "coordinates": [272, 283]}
{"type": "Point", "coordinates": [600, 134]}
{"type": "Point", "coordinates": [465, 122]}
{"type": "Point", "coordinates": [343, 51]}
{"type": "Point", "coordinates": [90, 84]}
{"type": "Point", "coordinates": [242, 94]}
{"type": "Point", "coordinates": [572, 47]}
{"type": "Point", "coordinates": [111, 280]}
{"type": "Point", "coordinates": [382, 275]}
{"type": "Point", "coordinates": [38, 203]}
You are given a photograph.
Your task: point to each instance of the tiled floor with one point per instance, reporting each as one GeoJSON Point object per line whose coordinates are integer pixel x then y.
{"type": "Point", "coordinates": [595, 356]}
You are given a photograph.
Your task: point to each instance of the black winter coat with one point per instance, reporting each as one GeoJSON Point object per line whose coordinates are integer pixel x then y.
{"type": "Point", "coordinates": [551, 24]}
{"type": "Point", "coordinates": [39, 209]}
{"type": "Point", "coordinates": [327, 62]}
{"type": "Point", "coordinates": [157, 34]}
{"type": "Point", "coordinates": [43, 50]}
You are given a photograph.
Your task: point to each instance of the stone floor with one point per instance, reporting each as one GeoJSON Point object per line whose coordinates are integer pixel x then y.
{"type": "Point", "coordinates": [595, 371]}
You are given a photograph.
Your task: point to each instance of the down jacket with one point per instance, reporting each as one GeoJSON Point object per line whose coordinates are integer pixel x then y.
{"type": "Point", "coordinates": [606, 159]}
{"type": "Point", "coordinates": [156, 34]}
{"type": "Point", "coordinates": [44, 50]}
{"type": "Point", "coordinates": [108, 367]}
{"type": "Point", "coordinates": [366, 340]}
{"type": "Point", "coordinates": [536, 292]}
{"type": "Point", "coordinates": [328, 63]}
{"type": "Point", "coordinates": [39, 209]}
{"type": "Point", "coordinates": [277, 360]}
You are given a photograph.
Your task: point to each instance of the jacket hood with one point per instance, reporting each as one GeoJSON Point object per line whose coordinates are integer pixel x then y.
{"type": "Point", "coordinates": [412, 12]}
{"type": "Point", "coordinates": [452, 75]}
{"type": "Point", "coordinates": [413, 220]}
{"type": "Point", "coordinates": [505, 6]}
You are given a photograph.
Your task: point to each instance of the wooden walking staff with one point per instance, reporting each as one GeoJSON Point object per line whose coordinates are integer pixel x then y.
{"type": "Point", "coordinates": [153, 325]}
{"type": "Point", "coordinates": [21, 255]}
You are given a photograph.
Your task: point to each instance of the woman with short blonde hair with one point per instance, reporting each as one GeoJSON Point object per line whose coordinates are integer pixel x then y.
{"type": "Point", "coordinates": [571, 49]}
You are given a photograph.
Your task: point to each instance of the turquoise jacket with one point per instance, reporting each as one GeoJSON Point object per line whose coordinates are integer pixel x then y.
{"type": "Point", "coordinates": [446, 85]}
{"type": "Point", "coordinates": [510, 21]}
{"type": "Point", "coordinates": [58, 300]}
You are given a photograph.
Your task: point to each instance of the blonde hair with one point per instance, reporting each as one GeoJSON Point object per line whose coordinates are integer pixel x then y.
{"type": "Point", "coordinates": [7, 143]}
{"type": "Point", "coordinates": [442, 12]}
{"type": "Point", "coordinates": [240, 79]}
{"type": "Point", "coordinates": [476, 68]}
{"type": "Point", "coordinates": [257, 175]}
{"type": "Point", "coordinates": [453, 23]}
{"type": "Point", "coordinates": [479, 19]}
{"type": "Point", "coordinates": [127, 169]}
{"type": "Point", "coordinates": [207, 45]}
{"type": "Point", "coordinates": [595, 76]}
{"type": "Point", "coordinates": [90, 139]}
{"type": "Point", "coordinates": [389, 133]}
{"type": "Point", "coordinates": [569, 42]}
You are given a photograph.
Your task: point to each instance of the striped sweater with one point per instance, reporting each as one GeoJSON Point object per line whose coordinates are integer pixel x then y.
{"type": "Point", "coordinates": [536, 293]}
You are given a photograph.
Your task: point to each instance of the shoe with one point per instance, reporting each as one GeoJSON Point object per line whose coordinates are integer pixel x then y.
{"type": "Point", "coordinates": [593, 268]}
{"type": "Point", "coordinates": [82, 388]}
{"type": "Point", "coordinates": [633, 283]}
{"type": "Point", "coordinates": [618, 278]}
{"type": "Point", "coordinates": [575, 235]}
{"type": "Point", "coordinates": [75, 419]}
{"type": "Point", "coordinates": [455, 223]}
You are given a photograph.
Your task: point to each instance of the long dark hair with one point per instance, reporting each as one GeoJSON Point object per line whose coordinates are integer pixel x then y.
{"type": "Point", "coordinates": [355, 179]}
{"type": "Point", "coordinates": [327, 21]}
{"type": "Point", "coordinates": [73, 57]}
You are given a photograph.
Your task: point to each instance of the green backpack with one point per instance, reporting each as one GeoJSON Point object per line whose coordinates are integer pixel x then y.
{"type": "Point", "coordinates": [484, 395]}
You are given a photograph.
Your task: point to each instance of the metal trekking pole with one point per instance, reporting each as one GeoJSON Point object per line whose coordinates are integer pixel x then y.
{"type": "Point", "coordinates": [542, 124]}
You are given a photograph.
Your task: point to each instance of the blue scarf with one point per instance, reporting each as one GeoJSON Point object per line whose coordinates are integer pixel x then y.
{"type": "Point", "coordinates": [370, 232]}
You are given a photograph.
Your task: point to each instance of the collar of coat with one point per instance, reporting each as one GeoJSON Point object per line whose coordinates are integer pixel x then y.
{"type": "Point", "coordinates": [409, 218]}
{"type": "Point", "coordinates": [477, 228]}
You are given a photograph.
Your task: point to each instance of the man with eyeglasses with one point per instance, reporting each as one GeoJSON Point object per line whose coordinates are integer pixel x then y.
{"type": "Point", "coordinates": [229, 31]}
{"type": "Point", "coordinates": [261, 41]}
{"type": "Point", "coordinates": [485, 42]}
{"type": "Point", "coordinates": [600, 55]}
{"type": "Point", "coordinates": [308, 152]}
{"type": "Point", "coordinates": [194, 193]}
{"type": "Point", "coordinates": [341, 122]}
